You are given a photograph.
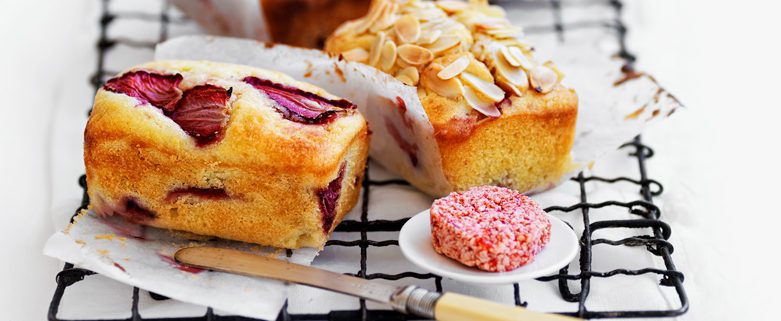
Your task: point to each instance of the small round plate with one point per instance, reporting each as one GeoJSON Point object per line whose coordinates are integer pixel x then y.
{"type": "Point", "coordinates": [415, 243]}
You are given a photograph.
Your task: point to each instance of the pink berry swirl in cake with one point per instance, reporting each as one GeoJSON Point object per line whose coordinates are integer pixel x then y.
{"type": "Point", "coordinates": [492, 228]}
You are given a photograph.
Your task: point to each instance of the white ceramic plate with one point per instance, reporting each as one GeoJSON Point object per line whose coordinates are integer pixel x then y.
{"type": "Point", "coordinates": [415, 243]}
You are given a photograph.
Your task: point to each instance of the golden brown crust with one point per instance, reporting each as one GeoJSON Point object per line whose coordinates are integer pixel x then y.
{"type": "Point", "coordinates": [270, 168]}
{"type": "Point", "coordinates": [527, 148]}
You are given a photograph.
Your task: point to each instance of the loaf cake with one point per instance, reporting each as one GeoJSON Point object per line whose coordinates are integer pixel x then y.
{"type": "Point", "coordinates": [499, 116]}
{"type": "Point", "coordinates": [224, 150]}
{"type": "Point", "coordinates": [489, 227]}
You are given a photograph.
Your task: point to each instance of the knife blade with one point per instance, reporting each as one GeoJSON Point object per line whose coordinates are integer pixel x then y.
{"type": "Point", "coordinates": [406, 299]}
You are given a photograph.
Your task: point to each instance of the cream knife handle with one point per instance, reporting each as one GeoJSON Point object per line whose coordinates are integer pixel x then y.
{"type": "Point", "coordinates": [457, 307]}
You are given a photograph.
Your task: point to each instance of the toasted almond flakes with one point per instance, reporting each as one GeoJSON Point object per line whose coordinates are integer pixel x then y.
{"type": "Point", "coordinates": [451, 88]}
{"type": "Point", "coordinates": [414, 54]}
{"type": "Point", "coordinates": [451, 6]}
{"type": "Point", "coordinates": [411, 73]}
{"type": "Point", "coordinates": [388, 56]}
{"type": "Point", "coordinates": [488, 89]}
{"type": "Point", "coordinates": [482, 105]}
{"type": "Point", "coordinates": [454, 68]}
{"type": "Point", "coordinates": [543, 79]}
{"type": "Point", "coordinates": [347, 27]}
{"type": "Point", "coordinates": [510, 57]}
{"type": "Point", "coordinates": [429, 37]}
{"type": "Point", "coordinates": [526, 62]}
{"type": "Point", "coordinates": [407, 29]}
{"type": "Point", "coordinates": [444, 43]}
{"type": "Point", "coordinates": [514, 75]}
{"type": "Point", "coordinates": [371, 17]}
{"type": "Point", "coordinates": [405, 80]}
{"type": "Point", "coordinates": [376, 49]}
{"type": "Point", "coordinates": [356, 54]}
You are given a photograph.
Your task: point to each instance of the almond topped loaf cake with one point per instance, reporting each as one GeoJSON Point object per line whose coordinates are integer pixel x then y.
{"type": "Point", "coordinates": [500, 116]}
{"type": "Point", "coordinates": [224, 150]}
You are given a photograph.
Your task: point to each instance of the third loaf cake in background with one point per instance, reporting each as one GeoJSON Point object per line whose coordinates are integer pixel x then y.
{"type": "Point", "coordinates": [500, 116]}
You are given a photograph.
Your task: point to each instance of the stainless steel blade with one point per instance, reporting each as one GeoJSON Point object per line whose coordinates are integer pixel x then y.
{"type": "Point", "coordinates": [239, 262]}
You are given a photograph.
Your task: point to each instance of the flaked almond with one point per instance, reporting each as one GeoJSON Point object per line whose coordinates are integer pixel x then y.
{"type": "Point", "coordinates": [487, 89]}
{"type": "Point", "coordinates": [514, 75]}
{"type": "Point", "coordinates": [505, 51]}
{"type": "Point", "coordinates": [444, 43]}
{"type": "Point", "coordinates": [414, 54]}
{"type": "Point", "coordinates": [511, 32]}
{"type": "Point", "coordinates": [387, 18]}
{"type": "Point", "coordinates": [490, 23]}
{"type": "Point", "coordinates": [543, 79]}
{"type": "Point", "coordinates": [376, 49]}
{"type": "Point", "coordinates": [347, 27]}
{"type": "Point", "coordinates": [371, 17]}
{"type": "Point", "coordinates": [506, 85]}
{"type": "Point", "coordinates": [481, 104]}
{"type": "Point", "coordinates": [428, 14]}
{"type": "Point", "coordinates": [429, 37]}
{"type": "Point", "coordinates": [451, 88]}
{"type": "Point", "coordinates": [407, 29]}
{"type": "Point", "coordinates": [388, 57]}
{"type": "Point", "coordinates": [451, 6]}
{"type": "Point", "coordinates": [411, 73]}
{"type": "Point", "coordinates": [525, 61]}
{"type": "Point", "coordinates": [454, 68]}
{"type": "Point", "coordinates": [356, 54]}
{"type": "Point", "coordinates": [405, 80]}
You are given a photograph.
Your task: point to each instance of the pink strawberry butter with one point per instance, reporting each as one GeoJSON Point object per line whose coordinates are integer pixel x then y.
{"type": "Point", "coordinates": [492, 228]}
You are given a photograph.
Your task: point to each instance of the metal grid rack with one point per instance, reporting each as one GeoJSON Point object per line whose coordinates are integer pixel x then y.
{"type": "Point", "coordinates": [646, 214]}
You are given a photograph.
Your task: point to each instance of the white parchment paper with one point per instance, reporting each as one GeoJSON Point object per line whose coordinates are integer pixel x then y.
{"type": "Point", "coordinates": [143, 257]}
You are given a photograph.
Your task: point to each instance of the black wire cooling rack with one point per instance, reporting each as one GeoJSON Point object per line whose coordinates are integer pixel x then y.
{"type": "Point", "coordinates": [645, 213]}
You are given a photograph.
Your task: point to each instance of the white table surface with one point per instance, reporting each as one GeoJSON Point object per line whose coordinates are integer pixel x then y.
{"type": "Point", "coordinates": [716, 159]}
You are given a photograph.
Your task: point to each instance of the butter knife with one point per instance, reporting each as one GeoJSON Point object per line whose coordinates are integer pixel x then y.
{"type": "Point", "coordinates": [408, 299]}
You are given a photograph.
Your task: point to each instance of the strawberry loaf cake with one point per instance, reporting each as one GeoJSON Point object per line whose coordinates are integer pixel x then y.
{"type": "Point", "coordinates": [492, 228]}
{"type": "Point", "coordinates": [499, 115]}
{"type": "Point", "coordinates": [224, 150]}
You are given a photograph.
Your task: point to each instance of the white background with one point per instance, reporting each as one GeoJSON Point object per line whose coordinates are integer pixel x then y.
{"type": "Point", "coordinates": [717, 159]}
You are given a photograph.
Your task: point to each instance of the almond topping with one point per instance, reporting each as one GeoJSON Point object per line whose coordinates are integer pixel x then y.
{"type": "Point", "coordinates": [512, 32]}
{"type": "Point", "coordinates": [543, 79]}
{"type": "Point", "coordinates": [451, 6]}
{"type": "Point", "coordinates": [371, 17]}
{"type": "Point", "coordinates": [347, 27]}
{"type": "Point", "coordinates": [429, 37]}
{"type": "Point", "coordinates": [376, 49]}
{"type": "Point", "coordinates": [481, 104]}
{"type": "Point", "coordinates": [405, 80]}
{"type": "Point", "coordinates": [356, 54]}
{"type": "Point", "coordinates": [444, 43]}
{"type": "Point", "coordinates": [388, 56]}
{"type": "Point", "coordinates": [514, 75]}
{"type": "Point", "coordinates": [488, 89]}
{"type": "Point", "coordinates": [454, 68]}
{"type": "Point", "coordinates": [510, 57]}
{"type": "Point", "coordinates": [451, 88]}
{"type": "Point", "coordinates": [407, 29]}
{"type": "Point", "coordinates": [386, 19]}
{"type": "Point", "coordinates": [491, 23]}
{"type": "Point", "coordinates": [415, 55]}
{"type": "Point", "coordinates": [410, 73]}
{"type": "Point", "coordinates": [524, 60]}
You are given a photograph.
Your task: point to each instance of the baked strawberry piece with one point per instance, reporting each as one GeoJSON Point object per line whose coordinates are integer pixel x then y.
{"type": "Point", "coordinates": [492, 228]}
